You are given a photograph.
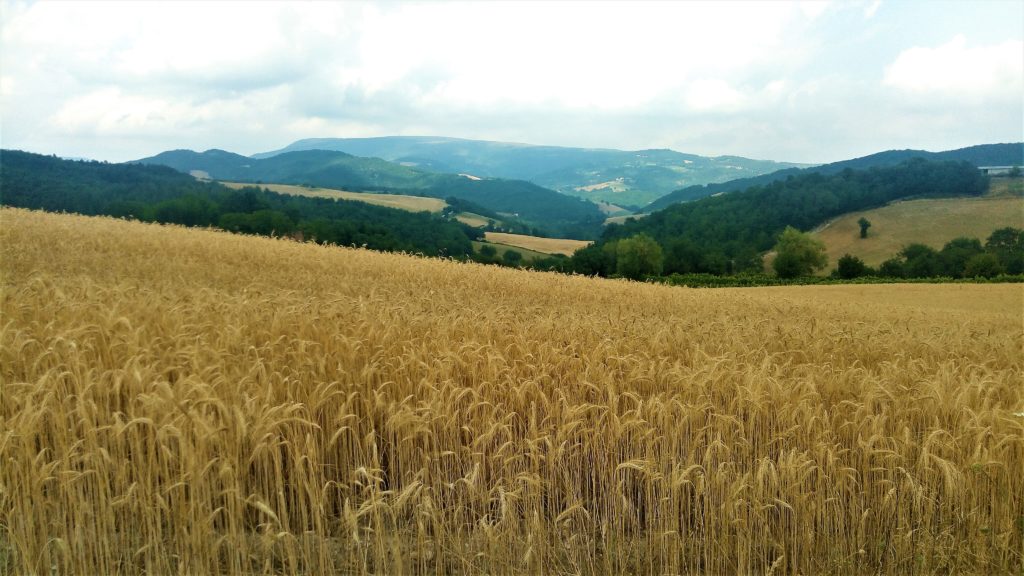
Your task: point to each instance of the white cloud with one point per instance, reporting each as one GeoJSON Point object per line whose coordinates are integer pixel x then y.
{"type": "Point", "coordinates": [871, 9]}
{"type": "Point", "coordinates": [120, 80]}
{"type": "Point", "coordinates": [713, 94]}
{"type": "Point", "coordinates": [994, 71]}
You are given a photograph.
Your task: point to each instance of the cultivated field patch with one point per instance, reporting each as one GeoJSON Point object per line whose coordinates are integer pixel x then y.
{"type": "Point", "coordinates": [402, 202]}
{"type": "Point", "coordinates": [538, 244]}
{"type": "Point", "coordinates": [190, 401]}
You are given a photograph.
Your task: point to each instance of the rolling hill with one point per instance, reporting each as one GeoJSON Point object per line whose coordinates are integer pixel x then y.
{"type": "Point", "coordinates": [555, 214]}
{"type": "Point", "coordinates": [625, 178]}
{"type": "Point", "coordinates": [399, 201]}
{"type": "Point", "coordinates": [726, 234]}
{"type": "Point", "coordinates": [981, 155]}
{"type": "Point", "coordinates": [155, 193]}
{"type": "Point", "coordinates": [932, 222]}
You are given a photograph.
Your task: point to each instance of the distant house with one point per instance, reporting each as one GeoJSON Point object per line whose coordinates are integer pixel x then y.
{"type": "Point", "coordinates": [995, 170]}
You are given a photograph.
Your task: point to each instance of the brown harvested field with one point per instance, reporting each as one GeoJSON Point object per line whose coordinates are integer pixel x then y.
{"type": "Point", "coordinates": [538, 244]}
{"type": "Point", "coordinates": [402, 202]}
{"type": "Point", "coordinates": [933, 222]}
{"type": "Point", "coordinates": [470, 219]}
{"type": "Point", "coordinates": [177, 401]}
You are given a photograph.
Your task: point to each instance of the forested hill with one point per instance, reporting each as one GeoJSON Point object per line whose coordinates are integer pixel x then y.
{"type": "Point", "coordinates": [621, 177]}
{"type": "Point", "coordinates": [547, 210]}
{"type": "Point", "coordinates": [323, 168]}
{"type": "Point", "coordinates": [162, 194]}
{"type": "Point", "coordinates": [728, 233]}
{"type": "Point", "coordinates": [981, 155]}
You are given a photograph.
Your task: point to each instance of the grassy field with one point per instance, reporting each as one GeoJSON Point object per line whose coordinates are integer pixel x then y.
{"type": "Point", "coordinates": [177, 401]}
{"type": "Point", "coordinates": [622, 219]}
{"type": "Point", "coordinates": [931, 222]}
{"type": "Point", "coordinates": [402, 202]}
{"type": "Point", "coordinates": [537, 244]}
{"type": "Point", "coordinates": [1002, 186]}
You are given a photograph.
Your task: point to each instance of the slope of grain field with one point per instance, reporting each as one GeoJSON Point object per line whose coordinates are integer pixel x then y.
{"type": "Point", "coordinates": [400, 201]}
{"type": "Point", "coordinates": [181, 401]}
{"type": "Point", "coordinates": [537, 244]}
{"type": "Point", "coordinates": [932, 221]}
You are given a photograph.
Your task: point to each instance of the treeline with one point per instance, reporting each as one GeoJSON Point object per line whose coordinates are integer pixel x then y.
{"type": "Point", "coordinates": [161, 194]}
{"type": "Point", "coordinates": [1002, 253]}
{"type": "Point", "coordinates": [1010, 154]}
{"type": "Point", "coordinates": [556, 215]}
{"type": "Point", "coordinates": [496, 222]}
{"type": "Point", "coordinates": [727, 234]}
{"type": "Point", "coordinates": [547, 212]}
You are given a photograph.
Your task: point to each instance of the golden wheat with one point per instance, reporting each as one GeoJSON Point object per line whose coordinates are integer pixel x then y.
{"type": "Point", "coordinates": [195, 402]}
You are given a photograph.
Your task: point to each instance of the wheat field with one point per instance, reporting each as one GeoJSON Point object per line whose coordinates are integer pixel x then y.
{"type": "Point", "coordinates": [399, 201]}
{"type": "Point", "coordinates": [178, 401]}
{"type": "Point", "coordinates": [562, 246]}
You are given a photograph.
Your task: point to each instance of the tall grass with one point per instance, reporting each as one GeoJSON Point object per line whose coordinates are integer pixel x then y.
{"type": "Point", "coordinates": [185, 401]}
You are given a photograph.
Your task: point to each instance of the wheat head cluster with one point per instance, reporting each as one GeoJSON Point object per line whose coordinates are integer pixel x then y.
{"type": "Point", "coordinates": [178, 401]}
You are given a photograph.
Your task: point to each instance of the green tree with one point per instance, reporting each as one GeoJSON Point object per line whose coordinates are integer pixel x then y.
{"type": "Point", "coordinates": [983, 266]}
{"type": "Point", "coordinates": [488, 254]}
{"type": "Point", "coordinates": [892, 268]}
{"type": "Point", "coordinates": [638, 256]}
{"type": "Point", "coordinates": [849, 267]}
{"type": "Point", "coordinates": [864, 224]}
{"type": "Point", "coordinates": [956, 253]}
{"type": "Point", "coordinates": [1007, 244]}
{"type": "Point", "coordinates": [798, 254]}
{"type": "Point", "coordinates": [512, 257]}
{"type": "Point", "coordinates": [921, 261]}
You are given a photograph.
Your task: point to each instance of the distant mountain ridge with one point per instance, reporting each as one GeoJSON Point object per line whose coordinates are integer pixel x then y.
{"type": "Point", "coordinates": [621, 177]}
{"type": "Point", "coordinates": [552, 212]}
{"type": "Point", "coordinates": [1007, 154]}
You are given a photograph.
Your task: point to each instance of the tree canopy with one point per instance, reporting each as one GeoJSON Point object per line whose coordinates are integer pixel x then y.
{"type": "Point", "coordinates": [727, 234]}
{"type": "Point", "coordinates": [798, 254]}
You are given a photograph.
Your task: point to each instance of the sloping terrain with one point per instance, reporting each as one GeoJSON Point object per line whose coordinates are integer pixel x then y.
{"type": "Point", "coordinates": [544, 245]}
{"type": "Point", "coordinates": [932, 222]}
{"type": "Point", "coordinates": [982, 155]}
{"type": "Point", "coordinates": [621, 177]}
{"type": "Point", "coordinates": [190, 401]}
{"type": "Point", "coordinates": [728, 233]}
{"type": "Point", "coordinates": [399, 201]}
{"type": "Point", "coordinates": [556, 214]}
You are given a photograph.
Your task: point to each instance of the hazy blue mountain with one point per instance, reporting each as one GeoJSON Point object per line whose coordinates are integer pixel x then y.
{"type": "Point", "coordinates": [553, 213]}
{"type": "Point", "coordinates": [981, 155]}
{"type": "Point", "coordinates": [631, 178]}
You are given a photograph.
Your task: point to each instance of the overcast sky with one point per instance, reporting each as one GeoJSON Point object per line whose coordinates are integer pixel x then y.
{"type": "Point", "coordinates": [804, 82]}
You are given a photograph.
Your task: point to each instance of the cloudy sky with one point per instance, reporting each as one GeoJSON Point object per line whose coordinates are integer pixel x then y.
{"type": "Point", "coordinates": [804, 82]}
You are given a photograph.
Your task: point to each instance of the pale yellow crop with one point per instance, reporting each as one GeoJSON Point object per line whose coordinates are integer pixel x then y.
{"type": "Point", "coordinates": [178, 401]}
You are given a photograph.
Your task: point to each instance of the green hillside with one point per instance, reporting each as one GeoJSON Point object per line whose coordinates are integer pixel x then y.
{"type": "Point", "coordinates": [981, 155]}
{"type": "Point", "coordinates": [160, 194]}
{"type": "Point", "coordinates": [727, 234]}
{"type": "Point", "coordinates": [625, 178]}
{"type": "Point", "coordinates": [932, 222]}
{"type": "Point", "coordinates": [552, 213]}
